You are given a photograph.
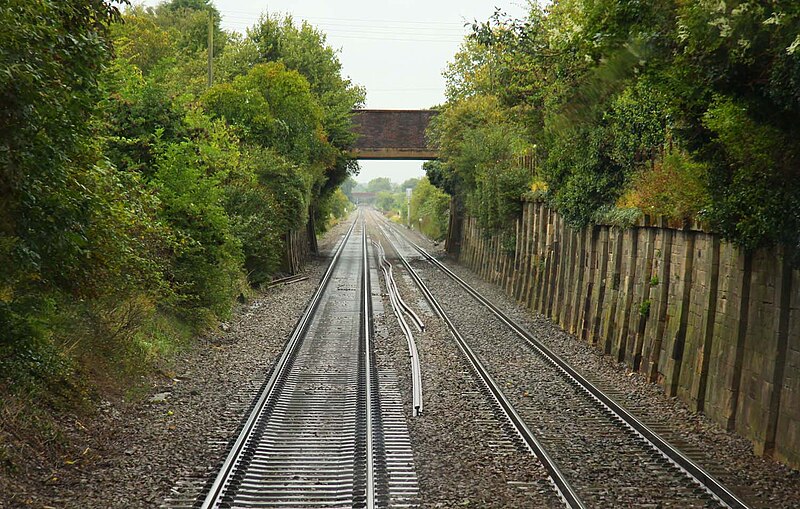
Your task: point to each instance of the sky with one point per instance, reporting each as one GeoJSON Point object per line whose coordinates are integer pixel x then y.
{"type": "Point", "coordinates": [395, 49]}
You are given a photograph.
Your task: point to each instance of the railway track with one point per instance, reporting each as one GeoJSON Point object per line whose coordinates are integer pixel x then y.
{"type": "Point", "coordinates": [597, 453]}
{"type": "Point", "coordinates": [328, 428]}
{"type": "Point", "coordinates": [318, 435]}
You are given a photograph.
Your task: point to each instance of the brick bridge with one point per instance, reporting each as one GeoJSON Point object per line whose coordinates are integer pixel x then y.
{"type": "Point", "coordinates": [392, 134]}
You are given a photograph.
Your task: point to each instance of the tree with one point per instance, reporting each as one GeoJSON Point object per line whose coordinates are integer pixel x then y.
{"type": "Point", "coordinates": [205, 267]}
{"type": "Point", "coordinates": [136, 202]}
{"type": "Point", "coordinates": [305, 50]}
{"type": "Point", "coordinates": [429, 209]}
{"type": "Point", "coordinates": [73, 229]}
{"type": "Point", "coordinates": [187, 21]}
{"type": "Point", "coordinates": [479, 148]}
{"type": "Point", "coordinates": [409, 184]}
{"type": "Point", "coordinates": [141, 41]}
{"type": "Point", "coordinates": [348, 186]}
{"type": "Point", "coordinates": [388, 201]}
{"type": "Point", "coordinates": [380, 184]}
{"type": "Point", "coordinates": [274, 107]}
{"type": "Point", "coordinates": [620, 95]}
{"type": "Point", "coordinates": [52, 54]}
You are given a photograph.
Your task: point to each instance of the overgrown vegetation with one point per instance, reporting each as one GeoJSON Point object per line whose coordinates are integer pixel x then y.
{"type": "Point", "coordinates": [429, 210]}
{"type": "Point", "coordinates": [686, 109]}
{"type": "Point", "coordinates": [390, 198]}
{"type": "Point", "coordinates": [137, 203]}
{"type": "Point", "coordinates": [429, 205]}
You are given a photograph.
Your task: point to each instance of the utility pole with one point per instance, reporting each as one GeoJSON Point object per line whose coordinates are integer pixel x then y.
{"type": "Point", "coordinates": [210, 48]}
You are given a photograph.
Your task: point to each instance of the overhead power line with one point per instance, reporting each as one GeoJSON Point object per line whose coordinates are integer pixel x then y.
{"type": "Point", "coordinates": [379, 35]}
{"type": "Point", "coordinates": [372, 28]}
{"type": "Point", "coordinates": [357, 20]}
{"type": "Point", "coordinates": [380, 29]}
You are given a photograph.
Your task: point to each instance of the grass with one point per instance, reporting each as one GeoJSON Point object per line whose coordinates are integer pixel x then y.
{"type": "Point", "coordinates": [98, 354]}
{"type": "Point", "coordinates": [621, 217]}
{"type": "Point", "coordinates": [29, 432]}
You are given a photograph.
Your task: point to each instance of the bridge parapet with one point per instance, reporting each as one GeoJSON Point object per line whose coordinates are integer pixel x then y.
{"type": "Point", "coordinates": [393, 134]}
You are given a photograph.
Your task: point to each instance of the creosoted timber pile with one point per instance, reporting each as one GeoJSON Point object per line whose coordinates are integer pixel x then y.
{"type": "Point", "coordinates": [713, 325]}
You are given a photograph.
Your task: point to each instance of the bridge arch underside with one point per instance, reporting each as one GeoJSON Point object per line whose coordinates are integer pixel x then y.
{"type": "Point", "coordinates": [393, 135]}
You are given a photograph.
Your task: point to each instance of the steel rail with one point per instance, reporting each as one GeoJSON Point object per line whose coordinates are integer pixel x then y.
{"type": "Point", "coordinates": [217, 488]}
{"type": "Point", "coordinates": [366, 332]}
{"type": "Point", "coordinates": [416, 369]}
{"type": "Point", "coordinates": [671, 453]}
{"type": "Point", "coordinates": [562, 485]}
{"type": "Point", "coordinates": [398, 296]}
{"type": "Point", "coordinates": [405, 307]}
{"type": "Point", "coordinates": [286, 280]}
{"type": "Point", "coordinates": [413, 352]}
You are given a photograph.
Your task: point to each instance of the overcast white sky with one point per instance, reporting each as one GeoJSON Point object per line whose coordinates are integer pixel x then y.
{"type": "Point", "coordinates": [396, 49]}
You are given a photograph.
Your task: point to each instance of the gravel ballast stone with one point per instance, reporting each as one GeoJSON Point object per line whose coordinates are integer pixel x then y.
{"type": "Point", "coordinates": [760, 482]}
{"type": "Point", "coordinates": [607, 464]}
{"type": "Point", "coordinates": [166, 445]}
{"type": "Point", "coordinates": [465, 454]}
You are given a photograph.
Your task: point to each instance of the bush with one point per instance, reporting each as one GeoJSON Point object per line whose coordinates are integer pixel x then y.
{"type": "Point", "coordinates": [334, 207]}
{"type": "Point", "coordinates": [388, 201]}
{"type": "Point", "coordinates": [480, 146]}
{"type": "Point", "coordinates": [134, 199]}
{"type": "Point", "coordinates": [268, 198]}
{"type": "Point", "coordinates": [754, 184]}
{"type": "Point", "coordinates": [205, 262]}
{"type": "Point", "coordinates": [430, 208]}
{"type": "Point", "coordinates": [28, 357]}
{"type": "Point", "coordinates": [675, 187]}
{"type": "Point", "coordinates": [683, 108]}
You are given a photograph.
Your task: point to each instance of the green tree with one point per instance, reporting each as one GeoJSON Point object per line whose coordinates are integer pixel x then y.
{"type": "Point", "coordinates": [136, 201]}
{"type": "Point", "coordinates": [52, 53]}
{"type": "Point", "coordinates": [78, 237]}
{"type": "Point", "coordinates": [273, 106]}
{"type": "Point", "coordinates": [479, 148]}
{"type": "Point", "coordinates": [336, 206]}
{"type": "Point", "coordinates": [305, 50]}
{"type": "Point", "coordinates": [187, 22]}
{"type": "Point", "coordinates": [429, 210]}
{"type": "Point", "coordinates": [388, 201]}
{"type": "Point", "coordinates": [409, 184]}
{"type": "Point", "coordinates": [240, 54]}
{"type": "Point", "coordinates": [380, 184]}
{"type": "Point", "coordinates": [619, 95]}
{"type": "Point", "coordinates": [264, 200]}
{"type": "Point", "coordinates": [141, 40]}
{"type": "Point", "coordinates": [348, 186]}
{"type": "Point", "coordinates": [205, 268]}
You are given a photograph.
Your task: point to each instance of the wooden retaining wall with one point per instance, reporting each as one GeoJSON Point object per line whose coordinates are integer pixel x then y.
{"type": "Point", "coordinates": [298, 250]}
{"type": "Point", "coordinates": [713, 325]}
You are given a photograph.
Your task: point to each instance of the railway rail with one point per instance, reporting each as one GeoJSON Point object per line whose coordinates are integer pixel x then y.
{"type": "Point", "coordinates": [401, 310]}
{"type": "Point", "coordinates": [491, 387]}
{"type": "Point", "coordinates": [681, 481]}
{"type": "Point", "coordinates": [315, 436]}
{"type": "Point", "coordinates": [326, 430]}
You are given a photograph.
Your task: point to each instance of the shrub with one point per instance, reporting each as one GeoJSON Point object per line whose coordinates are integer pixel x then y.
{"type": "Point", "coordinates": [429, 209]}
{"type": "Point", "coordinates": [206, 260]}
{"type": "Point", "coordinates": [754, 182]}
{"type": "Point", "coordinates": [675, 186]}
{"type": "Point", "coordinates": [268, 198]}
